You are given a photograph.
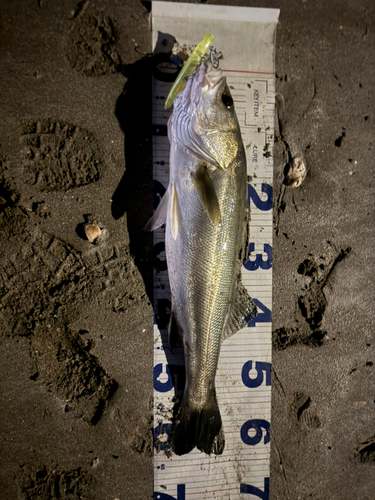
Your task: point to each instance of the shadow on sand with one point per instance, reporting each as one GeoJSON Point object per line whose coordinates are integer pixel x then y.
{"type": "Point", "coordinates": [133, 195]}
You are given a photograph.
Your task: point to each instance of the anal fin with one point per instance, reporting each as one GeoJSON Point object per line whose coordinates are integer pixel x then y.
{"type": "Point", "coordinates": [175, 333]}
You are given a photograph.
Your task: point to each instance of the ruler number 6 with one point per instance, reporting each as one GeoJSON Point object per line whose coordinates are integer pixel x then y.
{"type": "Point", "coordinates": [164, 496]}
{"type": "Point", "coordinates": [258, 425]}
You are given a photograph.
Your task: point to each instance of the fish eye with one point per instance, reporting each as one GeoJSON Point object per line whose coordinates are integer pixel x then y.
{"type": "Point", "coordinates": [227, 100]}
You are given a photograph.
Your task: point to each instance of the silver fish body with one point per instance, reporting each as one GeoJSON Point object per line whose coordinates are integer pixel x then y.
{"type": "Point", "coordinates": [205, 220]}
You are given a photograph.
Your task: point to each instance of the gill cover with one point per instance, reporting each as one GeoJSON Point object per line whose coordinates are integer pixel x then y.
{"type": "Point", "coordinates": [204, 121]}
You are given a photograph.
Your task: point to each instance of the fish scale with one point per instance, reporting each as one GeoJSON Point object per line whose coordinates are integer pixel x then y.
{"type": "Point", "coordinates": [203, 271]}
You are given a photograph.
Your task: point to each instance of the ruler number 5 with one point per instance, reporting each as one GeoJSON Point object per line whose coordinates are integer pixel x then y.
{"type": "Point", "coordinates": [264, 495]}
{"type": "Point", "coordinates": [260, 367]}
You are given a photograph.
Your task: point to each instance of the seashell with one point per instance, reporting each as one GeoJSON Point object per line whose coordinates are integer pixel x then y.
{"type": "Point", "coordinates": [295, 173]}
{"type": "Point", "coordinates": [92, 232]}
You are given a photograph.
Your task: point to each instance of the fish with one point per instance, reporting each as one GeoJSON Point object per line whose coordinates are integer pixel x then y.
{"type": "Point", "coordinates": [204, 210]}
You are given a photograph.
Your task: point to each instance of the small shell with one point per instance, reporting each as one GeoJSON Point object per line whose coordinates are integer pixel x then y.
{"type": "Point", "coordinates": [92, 232]}
{"type": "Point", "coordinates": [295, 173]}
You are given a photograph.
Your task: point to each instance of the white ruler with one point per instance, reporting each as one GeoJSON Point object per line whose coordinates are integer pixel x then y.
{"type": "Point", "coordinates": [245, 36]}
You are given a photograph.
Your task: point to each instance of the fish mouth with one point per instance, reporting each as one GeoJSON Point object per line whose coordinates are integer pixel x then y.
{"type": "Point", "coordinates": [205, 79]}
{"type": "Point", "coordinates": [212, 78]}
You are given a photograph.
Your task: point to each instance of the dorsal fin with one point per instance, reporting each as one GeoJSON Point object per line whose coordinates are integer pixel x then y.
{"type": "Point", "coordinates": [241, 311]}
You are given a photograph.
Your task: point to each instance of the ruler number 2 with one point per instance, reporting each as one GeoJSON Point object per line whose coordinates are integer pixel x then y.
{"type": "Point", "coordinates": [252, 195]}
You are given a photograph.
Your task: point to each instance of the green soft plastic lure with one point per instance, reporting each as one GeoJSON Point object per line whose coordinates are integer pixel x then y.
{"type": "Point", "coordinates": [188, 68]}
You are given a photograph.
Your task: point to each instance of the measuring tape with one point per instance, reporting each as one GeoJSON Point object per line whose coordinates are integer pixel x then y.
{"type": "Point", "coordinates": [243, 379]}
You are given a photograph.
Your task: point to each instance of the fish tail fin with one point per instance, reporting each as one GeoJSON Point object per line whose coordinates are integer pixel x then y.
{"type": "Point", "coordinates": [200, 427]}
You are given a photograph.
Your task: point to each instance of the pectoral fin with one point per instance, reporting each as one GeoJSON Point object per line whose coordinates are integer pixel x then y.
{"type": "Point", "coordinates": [160, 215]}
{"type": "Point", "coordinates": [207, 194]}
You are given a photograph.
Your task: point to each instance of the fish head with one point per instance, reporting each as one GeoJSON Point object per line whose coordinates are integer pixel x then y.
{"type": "Point", "coordinates": [206, 113]}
